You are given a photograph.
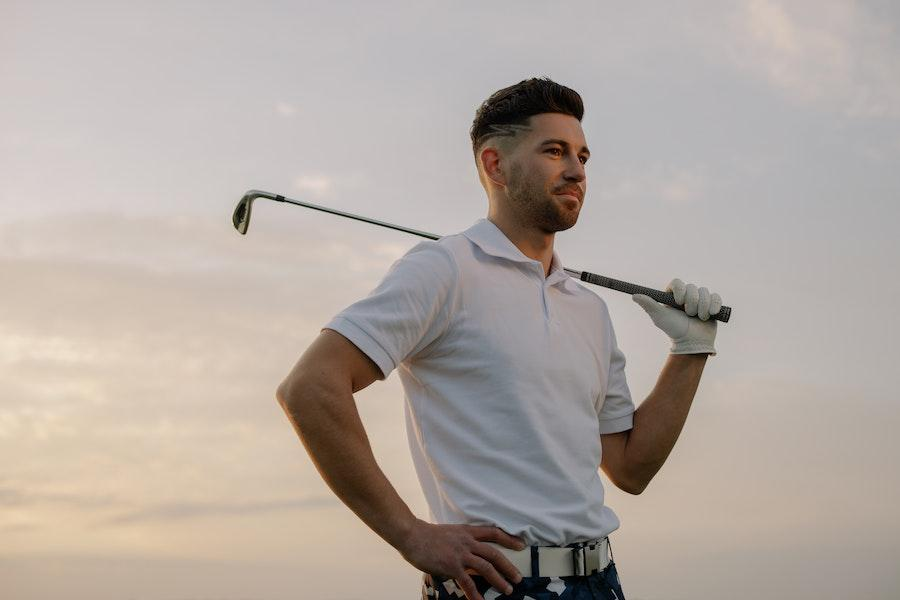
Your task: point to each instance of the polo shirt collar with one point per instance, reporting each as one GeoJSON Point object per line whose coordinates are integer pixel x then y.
{"type": "Point", "coordinates": [487, 236]}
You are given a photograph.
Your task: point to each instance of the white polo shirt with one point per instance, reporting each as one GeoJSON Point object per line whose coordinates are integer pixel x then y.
{"type": "Point", "coordinates": [509, 378]}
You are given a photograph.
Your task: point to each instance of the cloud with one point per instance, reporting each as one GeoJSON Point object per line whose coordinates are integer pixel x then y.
{"type": "Point", "coordinates": [143, 378]}
{"type": "Point", "coordinates": [322, 185]}
{"type": "Point", "coordinates": [285, 109]}
{"type": "Point", "coordinates": [673, 185]}
{"type": "Point", "coordinates": [15, 347]}
{"type": "Point", "coordinates": [38, 422]}
{"type": "Point", "coordinates": [178, 511]}
{"type": "Point", "coordinates": [833, 54]}
{"type": "Point", "coordinates": [16, 497]}
{"type": "Point", "coordinates": [147, 311]}
{"type": "Point", "coordinates": [19, 527]}
{"type": "Point", "coordinates": [317, 184]}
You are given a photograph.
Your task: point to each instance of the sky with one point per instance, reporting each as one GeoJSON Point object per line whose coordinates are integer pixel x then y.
{"type": "Point", "coordinates": [750, 147]}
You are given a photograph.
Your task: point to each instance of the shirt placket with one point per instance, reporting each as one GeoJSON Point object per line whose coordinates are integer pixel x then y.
{"type": "Point", "coordinates": [545, 292]}
{"type": "Point", "coordinates": [545, 296]}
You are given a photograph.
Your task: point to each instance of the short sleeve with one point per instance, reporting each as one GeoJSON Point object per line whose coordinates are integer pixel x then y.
{"type": "Point", "coordinates": [617, 411]}
{"type": "Point", "coordinates": [408, 310]}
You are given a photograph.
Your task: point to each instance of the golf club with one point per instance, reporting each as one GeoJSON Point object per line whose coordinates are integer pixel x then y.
{"type": "Point", "coordinates": [241, 220]}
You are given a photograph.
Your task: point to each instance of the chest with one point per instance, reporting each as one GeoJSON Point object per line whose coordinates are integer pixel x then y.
{"type": "Point", "coordinates": [514, 327]}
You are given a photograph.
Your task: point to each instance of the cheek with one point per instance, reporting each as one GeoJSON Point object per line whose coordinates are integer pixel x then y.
{"type": "Point", "coordinates": [540, 178]}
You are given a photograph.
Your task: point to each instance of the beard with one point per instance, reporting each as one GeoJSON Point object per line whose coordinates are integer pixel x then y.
{"type": "Point", "coordinates": [536, 206]}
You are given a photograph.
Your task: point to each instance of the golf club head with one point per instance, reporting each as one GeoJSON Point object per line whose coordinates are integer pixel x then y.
{"type": "Point", "coordinates": [241, 216]}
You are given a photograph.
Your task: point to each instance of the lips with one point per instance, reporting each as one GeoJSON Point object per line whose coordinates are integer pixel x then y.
{"type": "Point", "coordinates": [574, 193]}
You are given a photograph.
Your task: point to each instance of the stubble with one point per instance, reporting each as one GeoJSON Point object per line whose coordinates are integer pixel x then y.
{"type": "Point", "coordinates": [535, 205]}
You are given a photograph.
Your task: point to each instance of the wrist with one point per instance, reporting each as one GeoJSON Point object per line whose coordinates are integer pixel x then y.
{"type": "Point", "coordinates": [404, 533]}
{"type": "Point", "coordinates": [692, 347]}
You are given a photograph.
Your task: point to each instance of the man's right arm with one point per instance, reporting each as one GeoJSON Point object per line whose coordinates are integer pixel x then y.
{"type": "Point", "coordinates": [317, 397]}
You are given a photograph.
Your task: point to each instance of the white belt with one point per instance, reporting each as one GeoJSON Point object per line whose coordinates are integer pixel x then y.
{"type": "Point", "coordinates": [558, 561]}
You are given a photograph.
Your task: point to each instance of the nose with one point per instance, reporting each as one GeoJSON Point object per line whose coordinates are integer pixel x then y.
{"type": "Point", "coordinates": [575, 171]}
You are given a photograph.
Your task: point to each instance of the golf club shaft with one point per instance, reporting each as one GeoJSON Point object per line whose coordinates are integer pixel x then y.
{"type": "Point", "coordinates": [241, 220]}
{"type": "Point", "coordinates": [423, 234]}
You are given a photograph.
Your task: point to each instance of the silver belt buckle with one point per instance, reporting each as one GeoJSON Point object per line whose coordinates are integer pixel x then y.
{"type": "Point", "coordinates": [587, 559]}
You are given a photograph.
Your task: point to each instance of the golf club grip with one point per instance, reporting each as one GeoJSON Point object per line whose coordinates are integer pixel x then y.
{"type": "Point", "coordinates": [664, 297]}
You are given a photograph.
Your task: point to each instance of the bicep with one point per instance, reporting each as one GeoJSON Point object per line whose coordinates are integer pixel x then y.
{"type": "Point", "coordinates": [334, 359]}
{"type": "Point", "coordinates": [408, 311]}
{"type": "Point", "coordinates": [613, 456]}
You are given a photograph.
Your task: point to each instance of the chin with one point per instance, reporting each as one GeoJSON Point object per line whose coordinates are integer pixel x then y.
{"type": "Point", "coordinates": [559, 224]}
{"type": "Point", "coordinates": [567, 220]}
{"type": "Point", "coordinates": [565, 226]}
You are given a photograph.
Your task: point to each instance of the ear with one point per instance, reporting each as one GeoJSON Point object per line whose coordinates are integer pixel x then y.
{"type": "Point", "coordinates": [490, 164]}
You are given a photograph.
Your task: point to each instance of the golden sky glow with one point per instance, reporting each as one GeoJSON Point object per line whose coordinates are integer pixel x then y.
{"type": "Point", "coordinates": [750, 147]}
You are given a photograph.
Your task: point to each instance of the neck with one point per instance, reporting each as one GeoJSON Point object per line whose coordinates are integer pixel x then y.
{"type": "Point", "coordinates": [532, 242]}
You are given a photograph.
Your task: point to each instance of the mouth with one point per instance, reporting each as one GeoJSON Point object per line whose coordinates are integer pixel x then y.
{"type": "Point", "coordinates": [575, 193]}
{"type": "Point", "coordinates": [569, 195]}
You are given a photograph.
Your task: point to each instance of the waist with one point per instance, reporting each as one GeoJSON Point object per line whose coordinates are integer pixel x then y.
{"type": "Point", "coordinates": [582, 558]}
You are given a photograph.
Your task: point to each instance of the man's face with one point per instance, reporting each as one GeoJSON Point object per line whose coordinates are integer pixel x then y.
{"type": "Point", "coordinates": [547, 164]}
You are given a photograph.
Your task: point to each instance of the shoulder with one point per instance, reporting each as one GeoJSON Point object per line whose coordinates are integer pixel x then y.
{"type": "Point", "coordinates": [428, 261]}
{"type": "Point", "coordinates": [454, 245]}
{"type": "Point", "coordinates": [592, 297]}
{"type": "Point", "coordinates": [428, 251]}
{"type": "Point", "coordinates": [445, 254]}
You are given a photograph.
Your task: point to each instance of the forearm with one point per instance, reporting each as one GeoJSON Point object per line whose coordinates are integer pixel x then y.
{"type": "Point", "coordinates": [327, 421]}
{"type": "Point", "coordinates": [659, 419]}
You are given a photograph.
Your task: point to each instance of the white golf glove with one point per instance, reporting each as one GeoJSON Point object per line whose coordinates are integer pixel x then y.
{"type": "Point", "coordinates": [692, 331]}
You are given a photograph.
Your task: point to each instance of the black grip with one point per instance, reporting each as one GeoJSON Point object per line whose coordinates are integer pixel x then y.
{"type": "Point", "coordinates": [664, 297]}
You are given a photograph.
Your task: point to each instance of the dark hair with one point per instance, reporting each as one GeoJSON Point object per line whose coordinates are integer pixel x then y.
{"type": "Point", "coordinates": [508, 110]}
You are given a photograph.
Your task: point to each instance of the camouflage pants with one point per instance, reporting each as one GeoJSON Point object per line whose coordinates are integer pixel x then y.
{"type": "Point", "coordinates": [603, 585]}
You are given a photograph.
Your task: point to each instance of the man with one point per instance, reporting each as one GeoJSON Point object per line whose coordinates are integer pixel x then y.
{"type": "Point", "coordinates": [515, 386]}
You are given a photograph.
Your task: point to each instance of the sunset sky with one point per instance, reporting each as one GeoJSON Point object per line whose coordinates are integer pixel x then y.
{"type": "Point", "coordinates": [751, 147]}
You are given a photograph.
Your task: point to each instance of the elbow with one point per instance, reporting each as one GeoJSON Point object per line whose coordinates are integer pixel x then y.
{"type": "Point", "coordinates": [292, 403]}
{"type": "Point", "coordinates": [286, 394]}
{"type": "Point", "coordinates": [635, 489]}
{"type": "Point", "coordinates": [629, 486]}
{"type": "Point", "coordinates": [282, 393]}
{"type": "Point", "coordinates": [633, 485]}
{"type": "Point", "coordinates": [625, 479]}
{"type": "Point", "coordinates": [295, 386]}
{"type": "Point", "coordinates": [299, 392]}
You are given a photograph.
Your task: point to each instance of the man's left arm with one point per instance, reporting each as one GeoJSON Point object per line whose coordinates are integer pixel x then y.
{"type": "Point", "coordinates": [632, 458]}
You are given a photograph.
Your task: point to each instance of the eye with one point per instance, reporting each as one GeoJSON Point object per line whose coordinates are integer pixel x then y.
{"type": "Point", "coordinates": [583, 159]}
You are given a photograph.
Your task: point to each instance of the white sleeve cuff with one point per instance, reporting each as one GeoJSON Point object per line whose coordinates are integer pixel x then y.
{"type": "Point", "coordinates": [365, 342]}
{"type": "Point", "coordinates": [617, 424]}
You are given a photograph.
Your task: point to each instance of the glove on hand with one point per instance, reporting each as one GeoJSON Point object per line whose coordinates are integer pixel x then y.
{"type": "Point", "coordinates": [692, 331]}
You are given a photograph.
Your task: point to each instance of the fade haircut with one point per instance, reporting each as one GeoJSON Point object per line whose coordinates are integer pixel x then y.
{"type": "Point", "coordinates": [506, 114]}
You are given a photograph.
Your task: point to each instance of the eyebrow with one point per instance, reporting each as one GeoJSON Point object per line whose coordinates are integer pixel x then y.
{"type": "Point", "coordinates": [564, 144]}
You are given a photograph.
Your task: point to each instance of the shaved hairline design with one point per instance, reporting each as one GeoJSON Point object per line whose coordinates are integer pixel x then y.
{"type": "Point", "coordinates": [504, 130]}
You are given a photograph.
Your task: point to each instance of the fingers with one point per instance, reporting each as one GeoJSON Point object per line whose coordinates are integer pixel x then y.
{"type": "Point", "coordinates": [715, 304]}
{"type": "Point", "coordinates": [495, 559]}
{"type": "Point", "coordinates": [703, 304]}
{"type": "Point", "coordinates": [646, 302]}
{"type": "Point", "coordinates": [468, 587]}
{"type": "Point", "coordinates": [677, 288]}
{"type": "Point", "coordinates": [697, 301]}
{"type": "Point", "coordinates": [458, 552]}
{"type": "Point", "coordinates": [691, 299]}
{"type": "Point", "coordinates": [490, 574]}
{"type": "Point", "coordinates": [495, 534]}
{"type": "Point", "coordinates": [499, 561]}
